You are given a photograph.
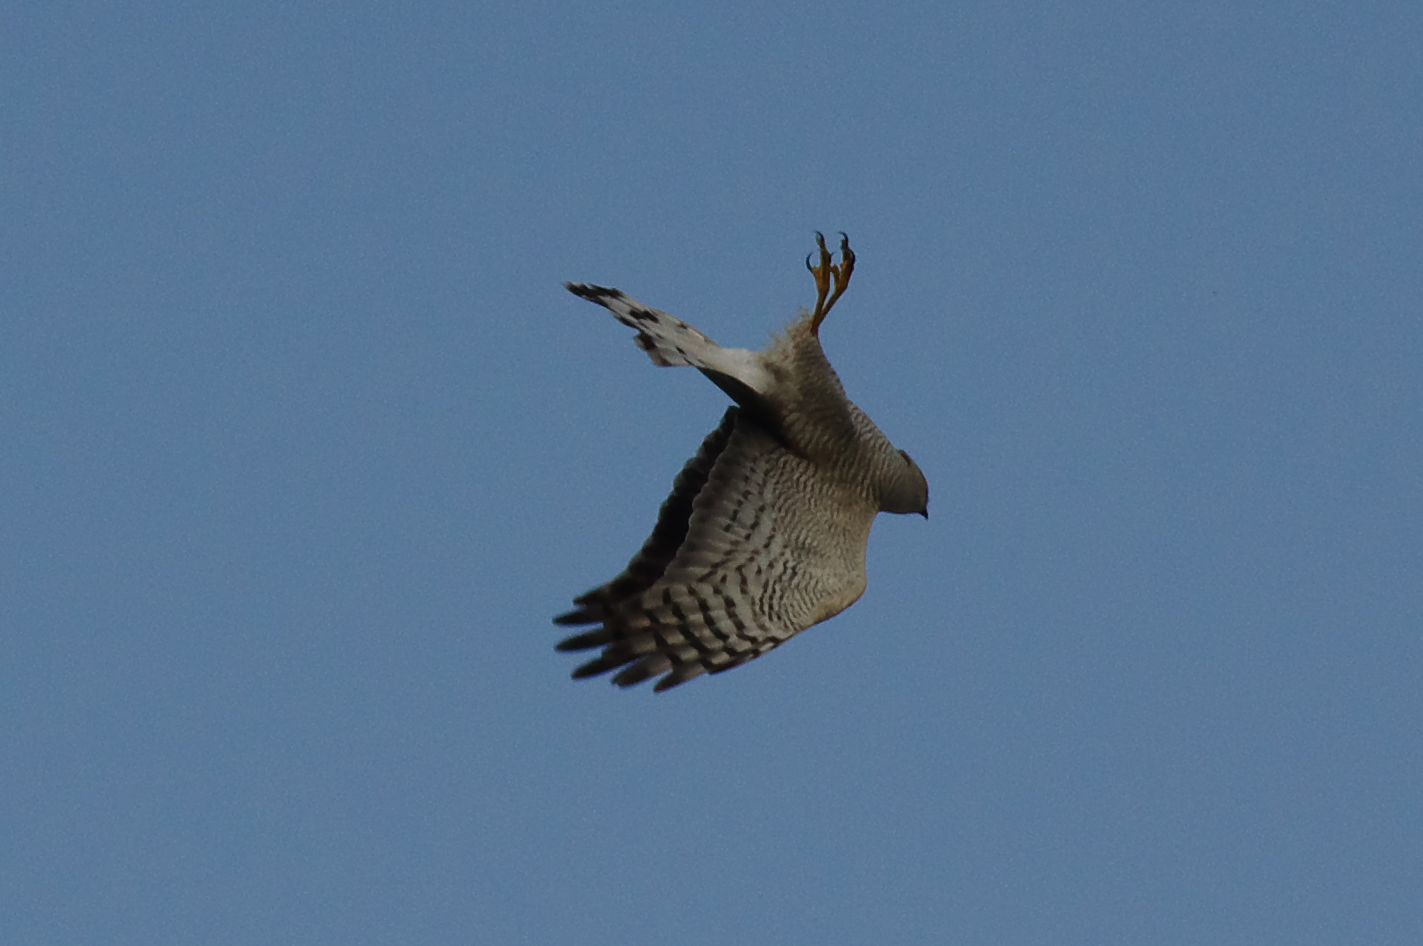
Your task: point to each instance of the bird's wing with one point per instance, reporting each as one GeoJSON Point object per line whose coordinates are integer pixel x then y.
{"type": "Point", "coordinates": [754, 545]}
{"type": "Point", "coordinates": [673, 519]}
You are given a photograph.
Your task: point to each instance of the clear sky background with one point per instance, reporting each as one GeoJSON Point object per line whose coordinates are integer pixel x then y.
{"type": "Point", "coordinates": [303, 445]}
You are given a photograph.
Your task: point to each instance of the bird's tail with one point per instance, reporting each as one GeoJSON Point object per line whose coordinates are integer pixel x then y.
{"type": "Point", "coordinates": [668, 340]}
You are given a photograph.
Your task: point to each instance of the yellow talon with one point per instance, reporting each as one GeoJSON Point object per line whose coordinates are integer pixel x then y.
{"type": "Point", "coordinates": [830, 279]}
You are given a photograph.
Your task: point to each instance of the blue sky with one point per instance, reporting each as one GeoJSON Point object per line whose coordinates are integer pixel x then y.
{"type": "Point", "coordinates": [304, 445]}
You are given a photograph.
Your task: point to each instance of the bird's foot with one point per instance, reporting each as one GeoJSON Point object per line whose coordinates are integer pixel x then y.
{"type": "Point", "coordinates": [830, 279]}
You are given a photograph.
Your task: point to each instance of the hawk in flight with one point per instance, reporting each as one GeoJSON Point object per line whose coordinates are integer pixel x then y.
{"type": "Point", "coordinates": [764, 533]}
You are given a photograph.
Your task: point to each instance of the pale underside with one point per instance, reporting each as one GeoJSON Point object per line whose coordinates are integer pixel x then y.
{"type": "Point", "coordinates": [754, 545]}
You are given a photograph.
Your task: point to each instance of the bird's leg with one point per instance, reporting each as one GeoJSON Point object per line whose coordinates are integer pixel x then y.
{"type": "Point", "coordinates": [830, 279]}
{"type": "Point", "coordinates": [841, 272]}
{"type": "Point", "coordinates": [821, 273]}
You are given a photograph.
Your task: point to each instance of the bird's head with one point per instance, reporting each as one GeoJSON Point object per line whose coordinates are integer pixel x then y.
{"type": "Point", "coordinates": [909, 491]}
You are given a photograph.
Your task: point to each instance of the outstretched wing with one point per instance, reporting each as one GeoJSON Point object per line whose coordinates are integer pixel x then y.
{"type": "Point", "coordinates": [754, 545]}
{"type": "Point", "coordinates": [673, 520]}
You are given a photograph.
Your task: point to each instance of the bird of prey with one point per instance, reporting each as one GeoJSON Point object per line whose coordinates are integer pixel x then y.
{"type": "Point", "coordinates": [764, 533]}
